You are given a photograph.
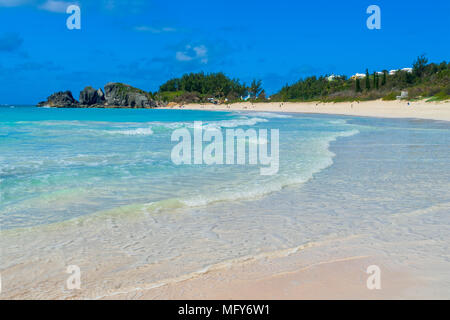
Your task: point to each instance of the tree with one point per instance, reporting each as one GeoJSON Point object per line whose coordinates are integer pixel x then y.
{"type": "Point", "coordinates": [262, 95]}
{"type": "Point", "coordinates": [255, 89]}
{"type": "Point", "coordinates": [419, 65]}
{"type": "Point", "coordinates": [358, 85]}
{"type": "Point", "coordinates": [384, 80]}
{"type": "Point", "coordinates": [367, 80]}
{"type": "Point", "coordinates": [376, 80]}
{"type": "Point", "coordinates": [215, 84]}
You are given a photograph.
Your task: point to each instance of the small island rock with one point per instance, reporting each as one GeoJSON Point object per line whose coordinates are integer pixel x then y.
{"type": "Point", "coordinates": [60, 100]}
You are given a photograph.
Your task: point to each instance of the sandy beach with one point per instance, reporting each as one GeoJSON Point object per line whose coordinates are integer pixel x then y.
{"type": "Point", "coordinates": [378, 108]}
{"type": "Point", "coordinates": [310, 273]}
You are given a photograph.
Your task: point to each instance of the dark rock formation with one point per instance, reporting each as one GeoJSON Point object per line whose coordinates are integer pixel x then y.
{"type": "Point", "coordinates": [60, 100]}
{"type": "Point", "coordinates": [89, 97]}
{"type": "Point", "coordinates": [119, 94]}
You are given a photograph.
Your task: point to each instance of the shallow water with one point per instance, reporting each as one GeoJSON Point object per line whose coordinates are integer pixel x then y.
{"type": "Point", "coordinates": [58, 164]}
{"type": "Point", "coordinates": [369, 186]}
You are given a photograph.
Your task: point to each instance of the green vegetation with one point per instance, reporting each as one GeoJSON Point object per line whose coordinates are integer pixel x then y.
{"type": "Point", "coordinates": [255, 89]}
{"type": "Point", "coordinates": [313, 88]}
{"type": "Point", "coordinates": [426, 80]}
{"type": "Point", "coordinates": [384, 80]}
{"type": "Point", "coordinates": [441, 96]}
{"type": "Point", "coordinates": [201, 87]}
{"type": "Point", "coordinates": [391, 96]}
{"type": "Point", "coordinates": [125, 89]}
{"type": "Point", "coordinates": [358, 85]}
{"type": "Point", "coordinates": [367, 80]}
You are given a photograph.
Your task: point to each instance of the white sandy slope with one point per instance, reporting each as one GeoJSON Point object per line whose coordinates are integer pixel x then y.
{"type": "Point", "coordinates": [377, 108]}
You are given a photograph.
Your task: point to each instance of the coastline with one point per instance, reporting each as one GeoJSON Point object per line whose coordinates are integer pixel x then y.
{"type": "Point", "coordinates": [378, 108]}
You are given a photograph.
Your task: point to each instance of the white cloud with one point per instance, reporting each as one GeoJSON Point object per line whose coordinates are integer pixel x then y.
{"type": "Point", "coordinates": [133, 6]}
{"type": "Point", "coordinates": [13, 3]}
{"type": "Point", "coordinates": [197, 53]}
{"type": "Point", "coordinates": [55, 6]}
{"type": "Point", "coordinates": [181, 56]}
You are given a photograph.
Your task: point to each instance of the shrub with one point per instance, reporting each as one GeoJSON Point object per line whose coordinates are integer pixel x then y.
{"type": "Point", "coordinates": [391, 96]}
{"type": "Point", "coordinates": [442, 95]}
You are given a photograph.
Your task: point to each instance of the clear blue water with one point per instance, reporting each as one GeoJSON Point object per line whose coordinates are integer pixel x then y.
{"type": "Point", "coordinates": [59, 164]}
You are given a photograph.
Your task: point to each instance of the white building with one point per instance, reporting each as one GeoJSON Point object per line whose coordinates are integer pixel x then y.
{"type": "Point", "coordinates": [409, 70]}
{"type": "Point", "coordinates": [392, 72]}
{"type": "Point", "coordinates": [358, 76]}
{"type": "Point", "coordinates": [403, 95]}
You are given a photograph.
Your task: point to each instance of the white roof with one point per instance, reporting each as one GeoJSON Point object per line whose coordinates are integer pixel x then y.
{"type": "Point", "coordinates": [407, 69]}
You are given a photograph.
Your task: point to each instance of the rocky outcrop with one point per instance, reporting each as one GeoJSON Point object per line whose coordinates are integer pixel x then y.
{"type": "Point", "coordinates": [89, 97]}
{"type": "Point", "coordinates": [119, 94]}
{"type": "Point", "coordinates": [60, 99]}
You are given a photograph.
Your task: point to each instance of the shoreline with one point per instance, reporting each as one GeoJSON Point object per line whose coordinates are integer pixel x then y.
{"type": "Point", "coordinates": [439, 111]}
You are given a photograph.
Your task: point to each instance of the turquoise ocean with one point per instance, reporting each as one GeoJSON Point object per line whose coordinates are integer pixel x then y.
{"type": "Point", "coordinates": [59, 164]}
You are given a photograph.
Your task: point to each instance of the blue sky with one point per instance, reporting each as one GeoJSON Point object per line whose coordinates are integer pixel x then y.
{"type": "Point", "coordinates": [144, 43]}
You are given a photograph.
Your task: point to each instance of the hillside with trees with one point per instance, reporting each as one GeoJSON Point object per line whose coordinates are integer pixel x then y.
{"type": "Point", "coordinates": [425, 80]}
